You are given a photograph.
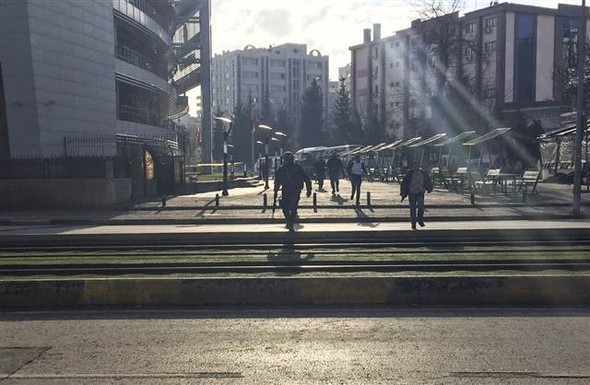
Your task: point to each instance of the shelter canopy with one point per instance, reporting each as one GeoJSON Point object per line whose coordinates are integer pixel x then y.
{"type": "Point", "coordinates": [490, 135]}
{"type": "Point", "coordinates": [430, 140]}
{"type": "Point", "coordinates": [455, 139]}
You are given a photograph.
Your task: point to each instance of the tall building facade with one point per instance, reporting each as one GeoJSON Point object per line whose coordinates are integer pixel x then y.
{"type": "Point", "coordinates": [281, 73]}
{"type": "Point", "coordinates": [506, 59]}
{"type": "Point", "coordinates": [83, 78]}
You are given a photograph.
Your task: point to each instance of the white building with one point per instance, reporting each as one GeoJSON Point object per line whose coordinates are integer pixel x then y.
{"type": "Point", "coordinates": [281, 72]}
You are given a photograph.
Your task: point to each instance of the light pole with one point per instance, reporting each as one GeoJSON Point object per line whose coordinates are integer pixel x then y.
{"type": "Point", "coordinates": [581, 116]}
{"type": "Point", "coordinates": [282, 137]}
{"type": "Point", "coordinates": [275, 153]}
{"type": "Point", "coordinates": [226, 134]}
{"type": "Point", "coordinates": [266, 140]}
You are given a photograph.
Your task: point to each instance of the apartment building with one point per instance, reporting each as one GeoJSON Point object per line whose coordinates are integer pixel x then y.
{"type": "Point", "coordinates": [504, 59]}
{"type": "Point", "coordinates": [282, 73]}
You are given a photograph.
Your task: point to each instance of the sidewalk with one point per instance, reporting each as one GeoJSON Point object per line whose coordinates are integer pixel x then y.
{"type": "Point", "coordinates": [245, 205]}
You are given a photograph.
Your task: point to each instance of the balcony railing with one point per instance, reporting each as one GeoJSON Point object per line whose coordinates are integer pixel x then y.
{"type": "Point", "coordinates": [139, 60]}
{"type": "Point", "coordinates": [148, 9]}
{"type": "Point", "coordinates": [139, 115]}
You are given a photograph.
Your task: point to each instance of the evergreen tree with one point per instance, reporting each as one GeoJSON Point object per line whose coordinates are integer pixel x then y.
{"type": "Point", "coordinates": [284, 123]}
{"type": "Point", "coordinates": [312, 111]}
{"type": "Point", "coordinates": [218, 137]}
{"type": "Point", "coordinates": [241, 135]}
{"type": "Point", "coordinates": [266, 113]}
{"type": "Point", "coordinates": [356, 129]}
{"type": "Point", "coordinates": [342, 115]}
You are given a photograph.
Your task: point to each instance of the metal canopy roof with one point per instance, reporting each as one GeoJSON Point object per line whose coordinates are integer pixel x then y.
{"type": "Point", "coordinates": [454, 139]}
{"type": "Point", "coordinates": [409, 141]}
{"type": "Point", "coordinates": [428, 141]}
{"type": "Point", "coordinates": [391, 145]}
{"type": "Point", "coordinates": [564, 131]}
{"type": "Point", "coordinates": [490, 135]}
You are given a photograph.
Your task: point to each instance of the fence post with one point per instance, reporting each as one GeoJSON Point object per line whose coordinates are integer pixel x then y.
{"type": "Point", "coordinates": [216, 200]}
{"type": "Point", "coordinates": [264, 201]}
{"type": "Point", "coordinates": [315, 202]}
{"type": "Point", "coordinates": [472, 197]}
{"type": "Point", "coordinates": [164, 201]}
{"type": "Point", "coordinates": [368, 198]}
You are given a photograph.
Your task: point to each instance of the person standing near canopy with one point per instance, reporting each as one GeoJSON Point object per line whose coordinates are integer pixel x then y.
{"type": "Point", "coordinates": [414, 185]}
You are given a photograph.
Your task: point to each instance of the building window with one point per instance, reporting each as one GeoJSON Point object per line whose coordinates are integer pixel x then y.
{"type": "Point", "coordinates": [468, 54]}
{"type": "Point", "coordinates": [490, 46]}
{"type": "Point", "coordinates": [391, 84]}
{"type": "Point", "coordinates": [525, 59]}
{"type": "Point", "coordinates": [397, 43]}
{"type": "Point", "coordinates": [249, 61]}
{"type": "Point", "coordinates": [470, 27]}
{"type": "Point", "coordinates": [277, 63]}
{"type": "Point", "coordinates": [490, 24]}
{"type": "Point", "coordinates": [250, 75]}
{"type": "Point", "coordinates": [397, 84]}
{"type": "Point", "coordinates": [375, 52]}
{"type": "Point", "coordinates": [489, 93]}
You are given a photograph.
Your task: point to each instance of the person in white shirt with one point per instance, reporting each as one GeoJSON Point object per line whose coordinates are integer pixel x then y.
{"type": "Point", "coordinates": [356, 169]}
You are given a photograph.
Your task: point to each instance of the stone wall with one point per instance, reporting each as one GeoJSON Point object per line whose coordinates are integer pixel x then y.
{"type": "Point", "coordinates": [31, 194]}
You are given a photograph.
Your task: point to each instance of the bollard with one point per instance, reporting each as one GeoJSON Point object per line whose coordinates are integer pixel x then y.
{"type": "Point", "coordinates": [264, 201]}
{"type": "Point", "coordinates": [472, 198]}
{"type": "Point", "coordinates": [245, 170]}
{"type": "Point", "coordinates": [524, 194]}
{"type": "Point", "coordinates": [315, 202]}
{"type": "Point", "coordinates": [164, 201]}
{"type": "Point", "coordinates": [368, 198]}
{"type": "Point", "coordinates": [216, 200]}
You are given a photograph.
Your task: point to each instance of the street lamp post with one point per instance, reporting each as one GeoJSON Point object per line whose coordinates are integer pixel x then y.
{"type": "Point", "coordinates": [581, 116]}
{"type": "Point", "coordinates": [226, 134]}
{"type": "Point", "coordinates": [282, 137]}
{"type": "Point", "coordinates": [275, 154]}
{"type": "Point", "coordinates": [266, 140]}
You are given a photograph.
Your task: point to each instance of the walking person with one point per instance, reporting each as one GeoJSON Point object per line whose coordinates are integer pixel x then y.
{"type": "Point", "coordinates": [290, 178]}
{"type": "Point", "coordinates": [335, 167]}
{"type": "Point", "coordinates": [356, 169]}
{"type": "Point", "coordinates": [414, 185]}
{"type": "Point", "coordinates": [320, 172]}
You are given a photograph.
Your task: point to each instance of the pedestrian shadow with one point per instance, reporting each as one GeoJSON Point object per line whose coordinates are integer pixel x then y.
{"type": "Point", "coordinates": [205, 209]}
{"type": "Point", "coordinates": [363, 218]}
{"type": "Point", "coordinates": [288, 260]}
{"type": "Point", "coordinates": [338, 199]}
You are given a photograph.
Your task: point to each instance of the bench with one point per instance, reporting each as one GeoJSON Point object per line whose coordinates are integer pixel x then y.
{"type": "Point", "coordinates": [460, 178]}
{"type": "Point", "coordinates": [479, 184]}
{"type": "Point", "coordinates": [529, 178]}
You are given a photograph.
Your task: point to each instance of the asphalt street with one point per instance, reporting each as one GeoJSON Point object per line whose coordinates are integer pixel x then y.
{"type": "Point", "coordinates": [363, 346]}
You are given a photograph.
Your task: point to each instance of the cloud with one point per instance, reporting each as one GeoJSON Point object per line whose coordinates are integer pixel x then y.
{"type": "Point", "coordinates": [276, 21]}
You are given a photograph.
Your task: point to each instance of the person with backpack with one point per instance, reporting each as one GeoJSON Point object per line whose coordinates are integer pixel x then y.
{"type": "Point", "coordinates": [320, 172]}
{"type": "Point", "coordinates": [334, 167]}
{"type": "Point", "coordinates": [356, 169]}
{"type": "Point", "coordinates": [414, 185]}
{"type": "Point", "coordinates": [290, 178]}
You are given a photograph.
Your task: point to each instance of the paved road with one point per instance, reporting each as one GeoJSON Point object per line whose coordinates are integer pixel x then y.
{"type": "Point", "coordinates": [302, 346]}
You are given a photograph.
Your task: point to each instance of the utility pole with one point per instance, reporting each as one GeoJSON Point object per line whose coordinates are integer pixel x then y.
{"type": "Point", "coordinates": [580, 110]}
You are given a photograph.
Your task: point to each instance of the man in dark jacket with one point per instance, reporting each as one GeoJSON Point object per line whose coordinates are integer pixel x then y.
{"type": "Point", "coordinates": [320, 172]}
{"type": "Point", "coordinates": [415, 184]}
{"type": "Point", "coordinates": [335, 168]}
{"type": "Point", "coordinates": [291, 177]}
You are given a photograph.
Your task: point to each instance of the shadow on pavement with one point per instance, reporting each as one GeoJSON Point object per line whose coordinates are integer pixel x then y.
{"type": "Point", "coordinates": [337, 199]}
{"type": "Point", "coordinates": [363, 219]}
{"type": "Point", "coordinates": [204, 210]}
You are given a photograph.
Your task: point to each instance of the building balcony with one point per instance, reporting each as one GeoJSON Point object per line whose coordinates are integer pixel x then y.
{"type": "Point", "coordinates": [143, 14]}
{"type": "Point", "coordinates": [139, 60]}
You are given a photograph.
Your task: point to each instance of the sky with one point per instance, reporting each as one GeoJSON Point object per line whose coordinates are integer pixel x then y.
{"type": "Point", "coordinates": [331, 26]}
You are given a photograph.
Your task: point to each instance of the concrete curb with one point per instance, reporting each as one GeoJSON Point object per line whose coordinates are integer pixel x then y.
{"type": "Point", "coordinates": [558, 291]}
{"type": "Point", "coordinates": [259, 220]}
{"type": "Point", "coordinates": [405, 236]}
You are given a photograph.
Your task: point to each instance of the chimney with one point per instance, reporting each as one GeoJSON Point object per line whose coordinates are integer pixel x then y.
{"type": "Point", "coordinates": [376, 32]}
{"type": "Point", "coordinates": [367, 35]}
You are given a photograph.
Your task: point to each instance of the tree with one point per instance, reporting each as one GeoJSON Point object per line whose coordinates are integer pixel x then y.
{"type": "Point", "coordinates": [218, 137]}
{"type": "Point", "coordinates": [284, 123]}
{"type": "Point", "coordinates": [266, 113]}
{"type": "Point", "coordinates": [312, 121]}
{"type": "Point", "coordinates": [341, 115]}
{"type": "Point", "coordinates": [440, 53]}
{"type": "Point", "coordinates": [241, 135]}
